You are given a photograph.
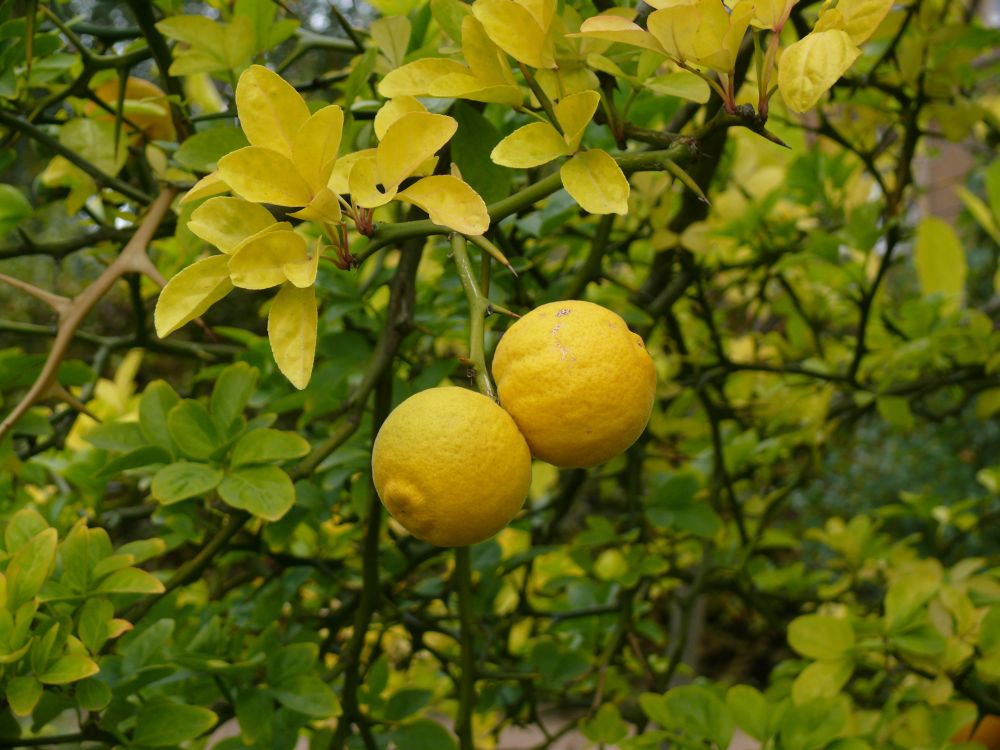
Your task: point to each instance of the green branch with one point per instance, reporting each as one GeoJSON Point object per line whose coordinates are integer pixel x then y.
{"type": "Point", "coordinates": [478, 307]}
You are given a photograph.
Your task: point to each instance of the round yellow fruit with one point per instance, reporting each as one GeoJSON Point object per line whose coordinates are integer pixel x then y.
{"type": "Point", "coordinates": [451, 466]}
{"type": "Point", "coordinates": [577, 381]}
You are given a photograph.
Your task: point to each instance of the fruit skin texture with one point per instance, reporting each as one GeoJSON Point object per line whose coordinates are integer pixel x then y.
{"type": "Point", "coordinates": [577, 381]}
{"type": "Point", "coordinates": [451, 466]}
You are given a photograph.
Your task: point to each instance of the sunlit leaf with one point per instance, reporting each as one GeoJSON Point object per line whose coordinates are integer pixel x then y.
{"type": "Point", "coordinates": [315, 146]}
{"type": "Point", "coordinates": [392, 110]}
{"type": "Point", "coordinates": [415, 78]}
{"type": "Point", "coordinates": [363, 184]}
{"type": "Point", "coordinates": [271, 111]}
{"type": "Point", "coordinates": [514, 30]}
{"type": "Point", "coordinates": [191, 292]}
{"type": "Point", "coordinates": [529, 146]}
{"type": "Point", "coordinates": [574, 113]}
{"type": "Point", "coordinates": [302, 273]}
{"type": "Point", "coordinates": [409, 142]}
{"type": "Point", "coordinates": [259, 263]}
{"type": "Point", "coordinates": [291, 329]}
{"type": "Point", "coordinates": [596, 182]}
{"type": "Point", "coordinates": [449, 201]}
{"type": "Point", "coordinates": [226, 222]}
{"type": "Point", "coordinates": [615, 28]}
{"type": "Point", "coordinates": [265, 176]}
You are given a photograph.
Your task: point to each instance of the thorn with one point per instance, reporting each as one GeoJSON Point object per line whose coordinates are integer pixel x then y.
{"type": "Point", "coordinates": [56, 301]}
{"type": "Point", "coordinates": [57, 391]}
{"type": "Point", "coordinates": [773, 138]}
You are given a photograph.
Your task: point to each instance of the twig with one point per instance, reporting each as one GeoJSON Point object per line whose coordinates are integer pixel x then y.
{"type": "Point", "coordinates": [478, 305]}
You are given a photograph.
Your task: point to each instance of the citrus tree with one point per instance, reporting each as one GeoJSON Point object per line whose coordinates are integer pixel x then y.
{"type": "Point", "coordinates": [238, 233]}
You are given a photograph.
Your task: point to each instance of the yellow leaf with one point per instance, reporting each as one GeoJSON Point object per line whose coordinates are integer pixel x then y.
{"type": "Point", "coordinates": [463, 86]}
{"type": "Point", "coordinates": [291, 329]}
{"type": "Point", "coordinates": [702, 31]}
{"type": "Point", "coordinates": [486, 62]}
{"type": "Point", "coordinates": [863, 17]}
{"type": "Point", "coordinates": [226, 222]}
{"type": "Point", "coordinates": [392, 110]}
{"type": "Point", "coordinates": [314, 150]}
{"type": "Point", "coordinates": [830, 18]}
{"type": "Point", "coordinates": [210, 184]}
{"type": "Point", "coordinates": [514, 30]}
{"type": "Point", "coordinates": [302, 273]}
{"type": "Point", "coordinates": [449, 202]}
{"type": "Point", "coordinates": [409, 142]}
{"type": "Point", "coordinates": [940, 259]}
{"type": "Point", "coordinates": [574, 113]}
{"type": "Point", "coordinates": [323, 207]}
{"type": "Point", "coordinates": [529, 146]}
{"type": "Point", "coordinates": [270, 109]}
{"type": "Point", "coordinates": [364, 185]}
{"type": "Point", "coordinates": [615, 28]}
{"type": "Point", "coordinates": [340, 178]}
{"type": "Point", "coordinates": [541, 10]}
{"type": "Point", "coordinates": [808, 68]}
{"type": "Point", "coordinates": [260, 262]}
{"type": "Point", "coordinates": [596, 182]}
{"type": "Point", "coordinates": [264, 176]}
{"type": "Point", "coordinates": [676, 27]}
{"type": "Point", "coordinates": [190, 293]}
{"type": "Point", "coordinates": [415, 78]}
{"type": "Point", "coordinates": [681, 83]}
{"type": "Point", "coordinates": [768, 13]}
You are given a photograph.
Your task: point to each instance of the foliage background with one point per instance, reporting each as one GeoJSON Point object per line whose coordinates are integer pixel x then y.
{"type": "Point", "coordinates": [803, 546]}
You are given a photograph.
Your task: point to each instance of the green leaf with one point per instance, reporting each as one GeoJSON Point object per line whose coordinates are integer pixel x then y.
{"type": "Point", "coordinates": [264, 491]}
{"type": "Point", "coordinates": [130, 581]}
{"type": "Point", "coordinates": [193, 430]}
{"type": "Point", "coordinates": [255, 713]}
{"type": "Point", "coordinates": [266, 445]}
{"type": "Point", "coordinates": [148, 455]}
{"type": "Point", "coordinates": [822, 679]}
{"type": "Point", "coordinates": [820, 636]}
{"type": "Point", "coordinates": [116, 436]}
{"type": "Point", "coordinates": [701, 713]}
{"type": "Point", "coordinates": [921, 638]}
{"type": "Point", "coordinates": [154, 406]}
{"type": "Point", "coordinates": [291, 661]}
{"type": "Point", "coordinates": [406, 702]}
{"type": "Point", "coordinates": [24, 525]}
{"type": "Point", "coordinates": [14, 208]}
{"type": "Point", "coordinates": [812, 725]}
{"type": "Point", "coordinates": [423, 735]}
{"type": "Point", "coordinates": [989, 630]}
{"type": "Point", "coordinates": [231, 393]}
{"type": "Point", "coordinates": [750, 710]}
{"type": "Point", "coordinates": [606, 726]}
{"type": "Point", "coordinates": [94, 140]}
{"type": "Point", "coordinates": [905, 598]}
{"type": "Point", "coordinates": [95, 615]}
{"type": "Point", "coordinates": [470, 149]}
{"type": "Point", "coordinates": [23, 694]}
{"type": "Point", "coordinates": [184, 480]}
{"type": "Point", "coordinates": [92, 694]}
{"type": "Point", "coordinates": [201, 151]}
{"type": "Point", "coordinates": [30, 567]}
{"type": "Point", "coordinates": [896, 411]}
{"type": "Point", "coordinates": [167, 724]}
{"type": "Point", "coordinates": [940, 259]}
{"type": "Point", "coordinates": [308, 695]}
{"type": "Point", "coordinates": [992, 180]}
{"type": "Point", "coordinates": [69, 668]}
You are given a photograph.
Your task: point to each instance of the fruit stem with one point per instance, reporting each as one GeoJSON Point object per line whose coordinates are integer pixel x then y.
{"type": "Point", "coordinates": [478, 307]}
{"type": "Point", "coordinates": [467, 681]}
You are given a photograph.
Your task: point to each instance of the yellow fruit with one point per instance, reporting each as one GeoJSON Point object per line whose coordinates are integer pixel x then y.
{"type": "Point", "coordinates": [451, 467]}
{"type": "Point", "coordinates": [577, 381]}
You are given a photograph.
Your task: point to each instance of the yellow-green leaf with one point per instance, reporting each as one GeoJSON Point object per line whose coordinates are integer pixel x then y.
{"type": "Point", "coordinates": [940, 259]}
{"type": "Point", "coordinates": [291, 329]}
{"type": "Point", "coordinates": [486, 62]}
{"type": "Point", "coordinates": [415, 78]}
{"type": "Point", "coordinates": [226, 222]}
{"type": "Point", "coordinates": [574, 113]}
{"type": "Point", "coordinates": [391, 34]}
{"type": "Point", "coordinates": [615, 28]}
{"type": "Point", "coordinates": [260, 263]}
{"type": "Point", "coordinates": [862, 17]}
{"type": "Point", "coordinates": [464, 86]}
{"type": "Point", "coordinates": [980, 212]}
{"type": "Point", "coordinates": [302, 273]}
{"type": "Point", "coordinates": [264, 176]}
{"type": "Point", "coordinates": [271, 111]}
{"type": "Point", "coordinates": [450, 202]}
{"type": "Point", "coordinates": [596, 182]}
{"type": "Point", "coordinates": [363, 184]}
{"type": "Point", "coordinates": [681, 83]}
{"type": "Point", "coordinates": [676, 28]}
{"type": "Point", "coordinates": [409, 142]}
{"type": "Point", "coordinates": [514, 30]}
{"type": "Point", "coordinates": [323, 207]}
{"type": "Point", "coordinates": [314, 150]}
{"type": "Point", "coordinates": [340, 177]}
{"type": "Point", "coordinates": [808, 68]}
{"type": "Point", "coordinates": [191, 292]}
{"type": "Point", "coordinates": [528, 146]}
{"type": "Point", "coordinates": [392, 110]}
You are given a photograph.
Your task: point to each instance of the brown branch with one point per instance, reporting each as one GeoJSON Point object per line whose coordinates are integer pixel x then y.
{"type": "Point", "coordinates": [133, 259]}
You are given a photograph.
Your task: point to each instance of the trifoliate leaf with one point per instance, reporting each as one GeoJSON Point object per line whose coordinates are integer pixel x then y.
{"type": "Point", "coordinates": [271, 111]}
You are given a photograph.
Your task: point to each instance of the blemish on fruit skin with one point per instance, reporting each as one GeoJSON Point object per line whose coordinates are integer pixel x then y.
{"type": "Point", "coordinates": [563, 312]}
{"type": "Point", "coordinates": [559, 345]}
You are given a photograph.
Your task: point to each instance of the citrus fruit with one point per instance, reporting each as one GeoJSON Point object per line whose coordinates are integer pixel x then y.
{"type": "Point", "coordinates": [577, 381]}
{"type": "Point", "coordinates": [451, 466]}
